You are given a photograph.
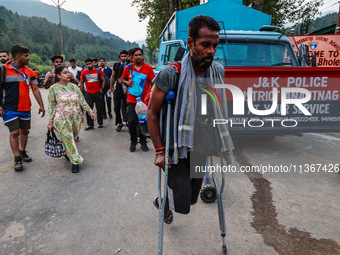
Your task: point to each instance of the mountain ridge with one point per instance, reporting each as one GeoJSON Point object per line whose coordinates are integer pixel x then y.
{"type": "Point", "coordinates": [73, 20]}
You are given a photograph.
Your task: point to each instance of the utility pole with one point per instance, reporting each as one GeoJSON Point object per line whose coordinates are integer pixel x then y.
{"type": "Point", "coordinates": [61, 32]}
{"type": "Point", "coordinates": [337, 28]}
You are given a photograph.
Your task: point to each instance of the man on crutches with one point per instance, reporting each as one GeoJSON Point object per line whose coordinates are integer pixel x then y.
{"type": "Point", "coordinates": [193, 82]}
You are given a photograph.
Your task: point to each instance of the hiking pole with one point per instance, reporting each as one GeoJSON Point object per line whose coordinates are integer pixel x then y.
{"type": "Point", "coordinates": [168, 98]}
{"type": "Point", "coordinates": [220, 206]}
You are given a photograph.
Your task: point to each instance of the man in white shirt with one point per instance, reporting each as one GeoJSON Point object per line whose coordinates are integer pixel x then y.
{"type": "Point", "coordinates": [74, 68]}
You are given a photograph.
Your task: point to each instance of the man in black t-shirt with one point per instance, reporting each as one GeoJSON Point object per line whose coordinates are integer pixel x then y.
{"type": "Point", "coordinates": [116, 87]}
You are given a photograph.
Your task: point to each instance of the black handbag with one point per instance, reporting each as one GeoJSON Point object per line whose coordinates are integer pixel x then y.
{"type": "Point", "coordinates": [53, 147]}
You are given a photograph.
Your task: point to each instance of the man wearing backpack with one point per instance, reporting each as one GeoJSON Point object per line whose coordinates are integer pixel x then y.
{"type": "Point", "coordinates": [108, 72]}
{"type": "Point", "coordinates": [138, 65]}
{"type": "Point", "coordinates": [15, 106]}
{"type": "Point", "coordinates": [95, 83]}
{"type": "Point", "coordinates": [197, 72]}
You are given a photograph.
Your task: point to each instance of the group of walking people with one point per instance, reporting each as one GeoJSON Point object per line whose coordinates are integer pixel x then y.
{"type": "Point", "coordinates": [67, 103]}
{"type": "Point", "coordinates": [72, 91]}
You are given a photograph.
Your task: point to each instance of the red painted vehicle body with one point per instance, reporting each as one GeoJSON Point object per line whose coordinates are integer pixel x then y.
{"type": "Point", "coordinates": [323, 83]}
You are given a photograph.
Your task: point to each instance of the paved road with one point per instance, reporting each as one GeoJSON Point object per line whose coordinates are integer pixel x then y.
{"type": "Point", "coordinates": [107, 207]}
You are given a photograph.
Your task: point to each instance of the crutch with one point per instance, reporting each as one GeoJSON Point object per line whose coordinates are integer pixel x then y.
{"type": "Point", "coordinates": [168, 98]}
{"type": "Point", "coordinates": [208, 192]}
{"type": "Point", "coordinates": [221, 216]}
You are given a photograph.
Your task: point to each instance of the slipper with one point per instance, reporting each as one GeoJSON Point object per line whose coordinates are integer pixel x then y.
{"type": "Point", "coordinates": [119, 127]}
{"type": "Point", "coordinates": [170, 217]}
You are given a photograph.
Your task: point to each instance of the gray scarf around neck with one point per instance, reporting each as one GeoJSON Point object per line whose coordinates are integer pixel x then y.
{"type": "Point", "coordinates": [185, 108]}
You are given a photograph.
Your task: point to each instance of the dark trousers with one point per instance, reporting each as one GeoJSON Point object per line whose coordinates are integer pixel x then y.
{"type": "Point", "coordinates": [108, 104]}
{"type": "Point", "coordinates": [134, 128]}
{"type": "Point", "coordinates": [185, 190]}
{"type": "Point", "coordinates": [95, 99]}
{"type": "Point", "coordinates": [119, 107]}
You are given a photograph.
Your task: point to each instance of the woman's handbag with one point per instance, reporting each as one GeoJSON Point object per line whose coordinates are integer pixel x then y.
{"type": "Point", "coordinates": [53, 147]}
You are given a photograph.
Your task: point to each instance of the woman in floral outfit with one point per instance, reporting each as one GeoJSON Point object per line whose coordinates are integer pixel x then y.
{"type": "Point", "coordinates": [65, 109]}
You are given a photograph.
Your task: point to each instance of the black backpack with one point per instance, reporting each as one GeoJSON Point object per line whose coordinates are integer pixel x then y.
{"type": "Point", "coordinates": [3, 77]}
{"type": "Point", "coordinates": [2, 81]}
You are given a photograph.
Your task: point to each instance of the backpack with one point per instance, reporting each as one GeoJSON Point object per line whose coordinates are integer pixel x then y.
{"type": "Point", "coordinates": [2, 77]}
{"type": "Point", "coordinates": [78, 75]}
{"type": "Point", "coordinates": [125, 88]}
{"type": "Point", "coordinates": [130, 69]}
{"type": "Point", "coordinates": [2, 81]}
{"type": "Point", "coordinates": [107, 80]}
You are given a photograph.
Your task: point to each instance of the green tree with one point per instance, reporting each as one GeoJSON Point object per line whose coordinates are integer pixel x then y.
{"type": "Point", "coordinates": [158, 12]}
{"type": "Point", "coordinates": [5, 43]}
{"type": "Point", "coordinates": [288, 11]}
{"type": "Point", "coordinates": [35, 59]}
{"type": "Point", "coordinates": [3, 26]}
{"type": "Point", "coordinates": [71, 46]}
{"type": "Point", "coordinates": [43, 38]}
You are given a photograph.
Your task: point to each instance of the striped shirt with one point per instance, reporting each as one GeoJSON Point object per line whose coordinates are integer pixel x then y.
{"type": "Point", "coordinates": [16, 94]}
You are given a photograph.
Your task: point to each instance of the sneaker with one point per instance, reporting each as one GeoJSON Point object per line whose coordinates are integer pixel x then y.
{"type": "Point", "coordinates": [119, 127]}
{"type": "Point", "coordinates": [77, 139]}
{"type": "Point", "coordinates": [18, 164]}
{"type": "Point", "coordinates": [25, 157]}
{"type": "Point", "coordinates": [110, 115]}
{"type": "Point", "coordinates": [88, 128]}
{"type": "Point", "coordinates": [75, 168]}
{"type": "Point", "coordinates": [144, 147]}
{"type": "Point", "coordinates": [133, 147]}
{"type": "Point", "coordinates": [100, 126]}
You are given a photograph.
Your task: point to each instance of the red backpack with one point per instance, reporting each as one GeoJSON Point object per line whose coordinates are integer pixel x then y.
{"type": "Point", "coordinates": [177, 66]}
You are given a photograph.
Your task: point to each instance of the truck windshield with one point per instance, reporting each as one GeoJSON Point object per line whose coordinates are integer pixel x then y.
{"type": "Point", "coordinates": [253, 54]}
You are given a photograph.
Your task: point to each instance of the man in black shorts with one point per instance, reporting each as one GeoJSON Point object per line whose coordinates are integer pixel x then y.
{"type": "Point", "coordinates": [15, 107]}
{"type": "Point", "coordinates": [196, 69]}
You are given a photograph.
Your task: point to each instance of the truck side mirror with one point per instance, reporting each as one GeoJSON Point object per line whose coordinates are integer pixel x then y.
{"type": "Point", "coordinates": [179, 53]}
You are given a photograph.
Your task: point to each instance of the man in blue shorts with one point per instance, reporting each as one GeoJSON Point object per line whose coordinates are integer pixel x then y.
{"type": "Point", "coordinates": [15, 102]}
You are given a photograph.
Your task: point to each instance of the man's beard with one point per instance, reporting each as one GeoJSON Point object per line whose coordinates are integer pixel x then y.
{"type": "Point", "coordinates": [3, 61]}
{"type": "Point", "coordinates": [139, 61]}
{"type": "Point", "coordinates": [200, 62]}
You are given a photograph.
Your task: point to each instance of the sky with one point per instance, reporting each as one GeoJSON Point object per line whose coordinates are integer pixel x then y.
{"type": "Point", "coordinates": [111, 17]}
{"type": "Point", "coordinates": [330, 5]}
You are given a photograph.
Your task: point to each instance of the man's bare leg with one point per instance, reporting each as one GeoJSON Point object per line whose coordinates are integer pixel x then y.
{"type": "Point", "coordinates": [23, 139]}
{"type": "Point", "coordinates": [14, 142]}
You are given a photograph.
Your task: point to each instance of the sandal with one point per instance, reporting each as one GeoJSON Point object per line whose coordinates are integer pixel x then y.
{"type": "Point", "coordinates": [119, 127]}
{"type": "Point", "coordinates": [167, 219]}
